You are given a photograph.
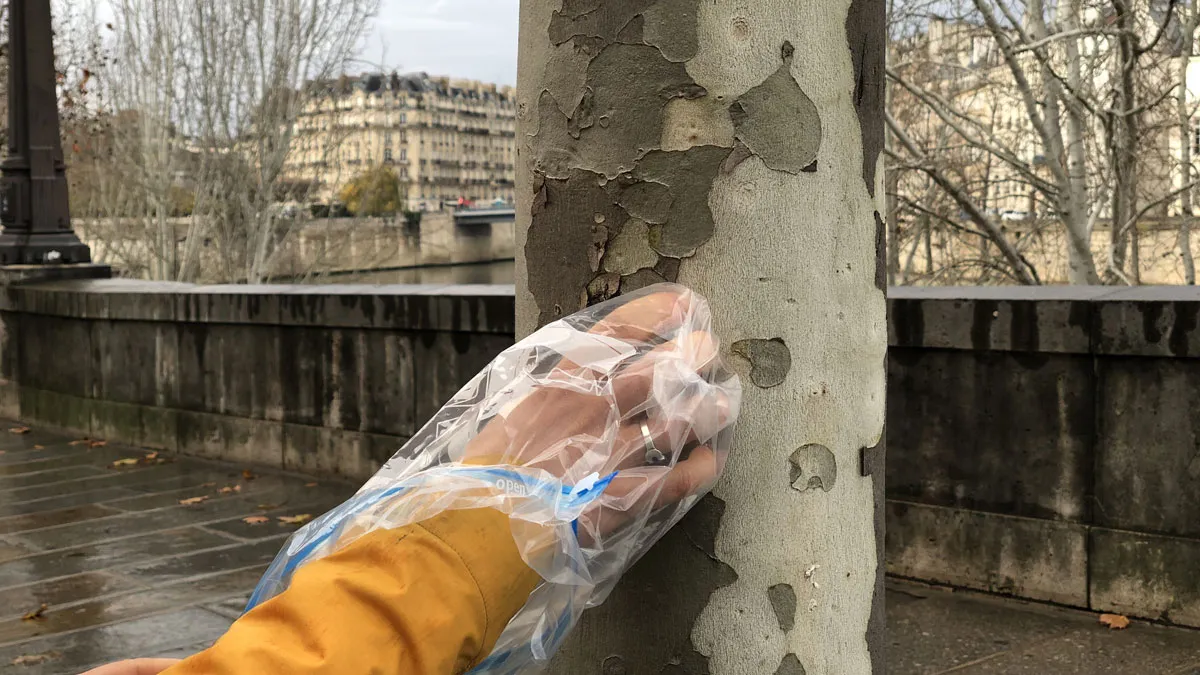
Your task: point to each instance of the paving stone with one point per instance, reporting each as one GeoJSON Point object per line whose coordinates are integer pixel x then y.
{"type": "Point", "coordinates": [61, 591]}
{"type": "Point", "coordinates": [106, 554]}
{"type": "Point", "coordinates": [81, 650]}
{"type": "Point", "coordinates": [128, 606]}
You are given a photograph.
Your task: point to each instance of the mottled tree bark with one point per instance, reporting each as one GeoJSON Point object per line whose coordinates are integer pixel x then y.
{"type": "Point", "coordinates": [732, 147]}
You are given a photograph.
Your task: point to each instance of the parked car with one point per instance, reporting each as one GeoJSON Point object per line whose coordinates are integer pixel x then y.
{"type": "Point", "coordinates": [1014, 215]}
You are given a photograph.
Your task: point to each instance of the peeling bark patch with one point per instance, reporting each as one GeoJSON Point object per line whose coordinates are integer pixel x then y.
{"type": "Point", "coordinates": [630, 251]}
{"type": "Point", "coordinates": [689, 122]}
{"type": "Point", "coordinates": [648, 201]}
{"type": "Point", "coordinates": [598, 22]}
{"type": "Point", "coordinates": [671, 26]}
{"type": "Point", "coordinates": [569, 250]}
{"type": "Point", "coordinates": [866, 31]}
{"type": "Point", "coordinates": [790, 666]}
{"type": "Point", "coordinates": [689, 176]}
{"type": "Point", "coordinates": [629, 87]}
{"type": "Point", "coordinates": [668, 268]}
{"type": "Point", "coordinates": [687, 551]}
{"type": "Point", "coordinates": [783, 601]}
{"type": "Point", "coordinates": [614, 665]}
{"type": "Point", "coordinates": [602, 288]}
{"type": "Point", "coordinates": [813, 466]}
{"type": "Point", "coordinates": [770, 360]}
{"type": "Point", "coordinates": [778, 122]}
{"type": "Point", "coordinates": [639, 280]}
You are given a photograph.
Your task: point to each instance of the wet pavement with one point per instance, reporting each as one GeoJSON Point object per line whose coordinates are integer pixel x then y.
{"type": "Point", "coordinates": [124, 567]}
{"type": "Point", "coordinates": [934, 631]}
{"type": "Point", "coordinates": [126, 570]}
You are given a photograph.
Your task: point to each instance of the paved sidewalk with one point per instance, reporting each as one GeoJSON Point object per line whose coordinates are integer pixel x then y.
{"type": "Point", "coordinates": [933, 631]}
{"type": "Point", "coordinates": [125, 569]}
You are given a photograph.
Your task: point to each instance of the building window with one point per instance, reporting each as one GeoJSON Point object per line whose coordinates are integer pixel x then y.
{"type": "Point", "coordinates": [403, 118]}
{"type": "Point", "coordinates": [387, 154]}
{"type": "Point", "coordinates": [403, 154]}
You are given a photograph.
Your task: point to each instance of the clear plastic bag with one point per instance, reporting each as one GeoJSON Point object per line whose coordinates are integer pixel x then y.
{"type": "Point", "coordinates": [595, 435]}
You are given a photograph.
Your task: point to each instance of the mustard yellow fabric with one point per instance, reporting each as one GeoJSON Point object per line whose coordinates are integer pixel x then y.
{"type": "Point", "coordinates": [427, 599]}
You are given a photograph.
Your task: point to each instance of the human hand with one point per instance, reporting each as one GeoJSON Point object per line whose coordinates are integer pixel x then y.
{"type": "Point", "coordinates": [593, 412]}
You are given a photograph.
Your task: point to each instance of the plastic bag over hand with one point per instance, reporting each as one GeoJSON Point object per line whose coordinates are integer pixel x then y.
{"type": "Point", "coordinates": [595, 435]}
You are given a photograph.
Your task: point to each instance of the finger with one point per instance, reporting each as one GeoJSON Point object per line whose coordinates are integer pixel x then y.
{"type": "Point", "coordinates": [645, 320]}
{"type": "Point", "coordinates": [648, 318]}
{"type": "Point", "coordinates": [637, 493]}
{"type": "Point", "coordinates": [695, 475]}
{"type": "Point", "coordinates": [633, 385]}
{"type": "Point", "coordinates": [695, 420]}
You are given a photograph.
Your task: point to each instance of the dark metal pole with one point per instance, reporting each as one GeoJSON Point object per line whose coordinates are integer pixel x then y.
{"type": "Point", "coordinates": [33, 187]}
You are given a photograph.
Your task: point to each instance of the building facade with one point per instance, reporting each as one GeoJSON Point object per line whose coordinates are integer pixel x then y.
{"type": "Point", "coordinates": [447, 141]}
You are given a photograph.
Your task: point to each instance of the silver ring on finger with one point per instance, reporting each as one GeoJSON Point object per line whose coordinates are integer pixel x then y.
{"type": "Point", "coordinates": [654, 456]}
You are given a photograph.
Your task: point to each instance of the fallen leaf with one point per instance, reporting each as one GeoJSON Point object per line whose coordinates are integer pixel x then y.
{"type": "Point", "coordinates": [295, 520]}
{"type": "Point", "coordinates": [34, 659]}
{"type": "Point", "coordinates": [20, 431]}
{"type": "Point", "coordinates": [255, 520]}
{"type": "Point", "coordinates": [248, 474]}
{"type": "Point", "coordinates": [152, 456]}
{"type": "Point", "coordinates": [2, 452]}
{"type": "Point", "coordinates": [82, 441]}
{"type": "Point", "coordinates": [310, 485]}
{"type": "Point", "coordinates": [268, 507]}
{"type": "Point", "coordinates": [194, 500]}
{"type": "Point", "coordinates": [1115, 621]}
{"type": "Point", "coordinates": [208, 485]}
{"type": "Point", "coordinates": [97, 444]}
{"type": "Point", "coordinates": [37, 614]}
{"type": "Point", "coordinates": [230, 489]}
{"type": "Point", "coordinates": [130, 461]}
{"type": "Point", "coordinates": [39, 447]}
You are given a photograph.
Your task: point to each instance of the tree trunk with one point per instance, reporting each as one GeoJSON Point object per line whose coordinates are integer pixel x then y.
{"type": "Point", "coordinates": [1185, 146]}
{"type": "Point", "coordinates": [733, 147]}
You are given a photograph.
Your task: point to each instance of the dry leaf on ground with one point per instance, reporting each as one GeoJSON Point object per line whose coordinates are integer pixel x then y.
{"type": "Point", "coordinates": [255, 520]}
{"type": "Point", "coordinates": [1115, 621]}
{"type": "Point", "coordinates": [230, 489]}
{"type": "Point", "coordinates": [97, 444]}
{"type": "Point", "coordinates": [37, 614]}
{"type": "Point", "coordinates": [82, 441]}
{"type": "Point", "coordinates": [35, 659]}
{"type": "Point", "coordinates": [208, 485]}
{"type": "Point", "coordinates": [248, 474]}
{"type": "Point", "coordinates": [128, 461]}
{"type": "Point", "coordinates": [194, 500]}
{"type": "Point", "coordinates": [310, 485]}
{"type": "Point", "coordinates": [295, 520]}
{"type": "Point", "coordinates": [20, 431]}
{"type": "Point", "coordinates": [270, 507]}
{"type": "Point", "coordinates": [1, 452]}
{"type": "Point", "coordinates": [151, 456]}
{"type": "Point", "coordinates": [39, 447]}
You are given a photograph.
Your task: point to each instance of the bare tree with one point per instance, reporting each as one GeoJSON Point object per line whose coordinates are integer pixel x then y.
{"type": "Point", "coordinates": [1185, 110]}
{"type": "Point", "coordinates": [202, 105]}
{"type": "Point", "coordinates": [1044, 104]}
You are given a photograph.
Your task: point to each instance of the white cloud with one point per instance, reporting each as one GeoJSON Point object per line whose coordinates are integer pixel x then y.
{"type": "Point", "coordinates": [461, 38]}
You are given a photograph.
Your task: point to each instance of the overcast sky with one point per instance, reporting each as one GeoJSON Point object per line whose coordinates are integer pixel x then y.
{"type": "Point", "coordinates": [475, 39]}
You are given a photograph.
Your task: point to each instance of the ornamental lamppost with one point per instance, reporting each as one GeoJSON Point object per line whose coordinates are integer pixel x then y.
{"type": "Point", "coordinates": [33, 181]}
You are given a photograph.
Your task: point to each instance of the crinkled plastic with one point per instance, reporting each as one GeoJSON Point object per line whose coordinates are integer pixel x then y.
{"type": "Point", "coordinates": [554, 433]}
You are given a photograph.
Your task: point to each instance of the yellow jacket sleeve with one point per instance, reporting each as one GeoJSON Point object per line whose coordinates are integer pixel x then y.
{"type": "Point", "coordinates": [427, 599]}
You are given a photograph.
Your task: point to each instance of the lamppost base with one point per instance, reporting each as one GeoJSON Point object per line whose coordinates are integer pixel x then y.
{"type": "Point", "coordinates": [60, 248]}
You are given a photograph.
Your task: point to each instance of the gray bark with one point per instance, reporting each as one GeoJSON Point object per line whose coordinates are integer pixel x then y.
{"type": "Point", "coordinates": [745, 138]}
